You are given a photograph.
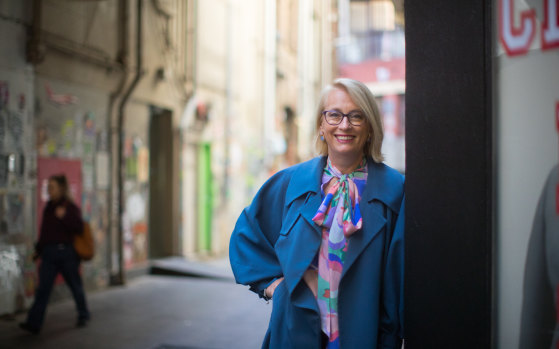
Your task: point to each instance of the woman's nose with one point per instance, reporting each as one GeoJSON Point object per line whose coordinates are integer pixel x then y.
{"type": "Point", "coordinates": [345, 123]}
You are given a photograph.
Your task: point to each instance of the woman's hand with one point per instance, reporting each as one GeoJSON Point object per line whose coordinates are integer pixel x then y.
{"type": "Point", "coordinates": [269, 291]}
{"type": "Point", "coordinates": [311, 279]}
{"type": "Point", "coordinates": [60, 212]}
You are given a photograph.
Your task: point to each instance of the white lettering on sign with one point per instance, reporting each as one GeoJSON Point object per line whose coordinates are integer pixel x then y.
{"type": "Point", "coordinates": [550, 29]}
{"type": "Point", "coordinates": [517, 39]}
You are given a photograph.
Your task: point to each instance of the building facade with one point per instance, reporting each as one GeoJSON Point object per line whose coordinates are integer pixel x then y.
{"type": "Point", "coordinates": [166, 116]}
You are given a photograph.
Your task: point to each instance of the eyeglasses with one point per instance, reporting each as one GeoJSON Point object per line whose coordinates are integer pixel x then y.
{"type": "Point", "coordinates": [334, 117]}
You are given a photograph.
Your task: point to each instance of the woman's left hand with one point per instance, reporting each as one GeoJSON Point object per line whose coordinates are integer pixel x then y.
{"type": "Point", "coordinates": [269, 291]}
{"type": "Point", "coordinates": [311, 279]}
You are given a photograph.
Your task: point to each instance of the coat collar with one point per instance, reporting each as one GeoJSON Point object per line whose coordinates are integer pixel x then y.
{"type": "Point", "coordinates": [307, 176]}
{"type": "Point", "coordinates": [306, 181]}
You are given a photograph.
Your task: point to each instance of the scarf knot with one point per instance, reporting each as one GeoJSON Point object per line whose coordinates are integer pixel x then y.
{"type": "Point", "coordinates": [342, 199]}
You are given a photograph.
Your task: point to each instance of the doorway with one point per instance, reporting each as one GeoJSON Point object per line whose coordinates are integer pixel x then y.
{"type": "Point", "coordinates": [161, 232]}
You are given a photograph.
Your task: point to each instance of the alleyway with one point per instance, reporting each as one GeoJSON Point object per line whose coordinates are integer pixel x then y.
{"type": "Point", "coordinates": [153, 312]}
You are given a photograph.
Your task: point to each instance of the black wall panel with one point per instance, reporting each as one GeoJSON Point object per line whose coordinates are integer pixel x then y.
{"type": "Point", "coordinates": [449, 174]}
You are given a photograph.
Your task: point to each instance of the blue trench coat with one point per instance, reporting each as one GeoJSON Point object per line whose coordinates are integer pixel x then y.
{"type": "Point", "coordinates": [275, 236]}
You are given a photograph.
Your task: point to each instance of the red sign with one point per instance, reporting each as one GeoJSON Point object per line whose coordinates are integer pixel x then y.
{"type": "Point", "coordinates": [517, 39]}
{"type": "Point", "coordinates": [47, 167]}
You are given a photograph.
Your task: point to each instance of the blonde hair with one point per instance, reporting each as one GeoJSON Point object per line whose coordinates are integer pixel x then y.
{"type": "Point", "coordinates": [365, 101]}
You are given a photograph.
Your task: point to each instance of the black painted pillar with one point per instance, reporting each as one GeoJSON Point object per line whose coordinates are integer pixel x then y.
{"type": "Point", "coordinates": [449, 174]}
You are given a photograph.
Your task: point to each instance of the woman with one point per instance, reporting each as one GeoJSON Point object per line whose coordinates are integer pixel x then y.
{"type": "Point", "coordinates": [61, 221]}
{"type": "Point", "coordinates": [324, 239]}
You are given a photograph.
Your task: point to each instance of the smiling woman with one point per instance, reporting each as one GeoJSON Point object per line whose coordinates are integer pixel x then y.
{"type": "Point", "coordinates": [334, 220]}
{"type": "Point", "coordinates": [351, 139]}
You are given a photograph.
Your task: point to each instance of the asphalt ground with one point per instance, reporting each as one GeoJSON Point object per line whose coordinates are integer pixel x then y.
{"type": "Point", "coordinates": [184, 311]}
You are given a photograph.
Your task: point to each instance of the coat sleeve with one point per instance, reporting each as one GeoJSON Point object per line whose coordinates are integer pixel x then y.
{"type": "Point", "coordinates": [251, 248]}
{"type": "Point", "coordinates": [392, 317]}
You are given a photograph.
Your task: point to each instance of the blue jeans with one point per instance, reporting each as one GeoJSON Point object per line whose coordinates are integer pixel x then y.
{"type": "Point", "coordinates": [57, 258]}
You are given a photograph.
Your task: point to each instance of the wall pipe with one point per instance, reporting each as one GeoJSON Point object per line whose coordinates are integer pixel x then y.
{"type": "Point", "coordinates": [120, 129]}
{"type": "Point", "coordinates": [35, 52]}
{"type": "Point", "coordinates": [123, 20]}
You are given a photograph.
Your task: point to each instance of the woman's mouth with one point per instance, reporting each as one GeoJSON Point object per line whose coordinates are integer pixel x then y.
{"type": "Point", "coordinates": [344, 138]}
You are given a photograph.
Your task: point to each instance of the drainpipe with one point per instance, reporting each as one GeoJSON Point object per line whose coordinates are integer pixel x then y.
{"type": "Point", "coordinates": [120, 129]}
{"type": "Point", "coordinates": [122, 59]}
{"type": "Point", "coordinates": [35, 50]}
{"type": "Point", "coordinates": [195, 49]}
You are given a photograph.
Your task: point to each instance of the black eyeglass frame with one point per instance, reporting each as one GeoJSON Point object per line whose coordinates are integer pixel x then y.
{"type": "Point", "coordinates": [363, 120]}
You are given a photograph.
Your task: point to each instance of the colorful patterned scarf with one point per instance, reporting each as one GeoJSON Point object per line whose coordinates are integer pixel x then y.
{"type": "Point", "coordinates": [339, 216]}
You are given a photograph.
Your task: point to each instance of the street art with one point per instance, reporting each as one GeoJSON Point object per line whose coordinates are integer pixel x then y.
{"type": "Point", "coordinates": [10, 278]}
{"type": "Point", "coordinates": [14, 212]}
{"type": "Point", "coordinates": [67, 134]}
{"type": "Point", "coordinates": [88, 202]}
{"type": "Point", "coordinates": [15, 129]}
{"type": "Point", "coordinates": [135, 226]}
{"type": "Point", "coordinates": [59, 99]}
{"type": "Point", "coordinates": [88, 152]}
{"type": "Point", "coordinates": [11, 121]}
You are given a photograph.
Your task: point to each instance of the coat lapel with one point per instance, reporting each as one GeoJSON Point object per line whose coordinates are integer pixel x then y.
{"type": "Point", "coordinates": [305, 185]}
{"type": "Point", "coordinates": [303, 194]}
{"type": "Point", "coordinates": [373, 222]}
{"type": "Point", "coordinates": [302, 201]}
{"type": "Point", "coordinates": [372, 213]}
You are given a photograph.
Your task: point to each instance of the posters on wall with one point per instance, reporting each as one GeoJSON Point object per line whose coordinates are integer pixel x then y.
{"type": "Point", "coordinates": [12, 127]}
{"type": "Point", "coordinates": [15, 192]}
{"type": "Point", "coordinates": [14, 212]}
{"type": "Point", "coordinates": [71, 124]}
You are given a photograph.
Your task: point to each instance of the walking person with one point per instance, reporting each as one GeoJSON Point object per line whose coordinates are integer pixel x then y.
{"type": "Point", "coordinates": [61, 222]}
{"type": "Point", "coordinates": [324, 239]}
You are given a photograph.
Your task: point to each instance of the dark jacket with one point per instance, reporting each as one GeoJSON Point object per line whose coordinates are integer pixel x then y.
{"type": "Point", "coordinates": [275, 236]}
{"type": "Point", "coordinates": [59, 231]}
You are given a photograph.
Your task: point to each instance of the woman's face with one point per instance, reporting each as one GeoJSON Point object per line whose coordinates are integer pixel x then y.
{"type": "Point", "coordinates": [344, 140]}
{"type": "Point", "coordinates": [54, 190]}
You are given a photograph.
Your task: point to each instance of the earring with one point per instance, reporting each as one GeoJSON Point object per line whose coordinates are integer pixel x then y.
{"type": "Point", "coordinates": [321, 137]}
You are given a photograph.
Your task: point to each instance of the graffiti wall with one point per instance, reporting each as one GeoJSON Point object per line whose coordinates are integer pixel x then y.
{"type": "Point", "coordinates": [527, 100]}
{"type": "Point", "coordinates": [17, 278]}
{"type": "Point", "coordinates": [70, 124]}
{"type": "Point", "coordinates": [136, 186]}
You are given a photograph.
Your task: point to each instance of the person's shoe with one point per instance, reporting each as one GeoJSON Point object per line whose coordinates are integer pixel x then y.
{"type": "Point", "coordinates": [26, 327]}
{"type": "Point", "coordinates": [81, 323]}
